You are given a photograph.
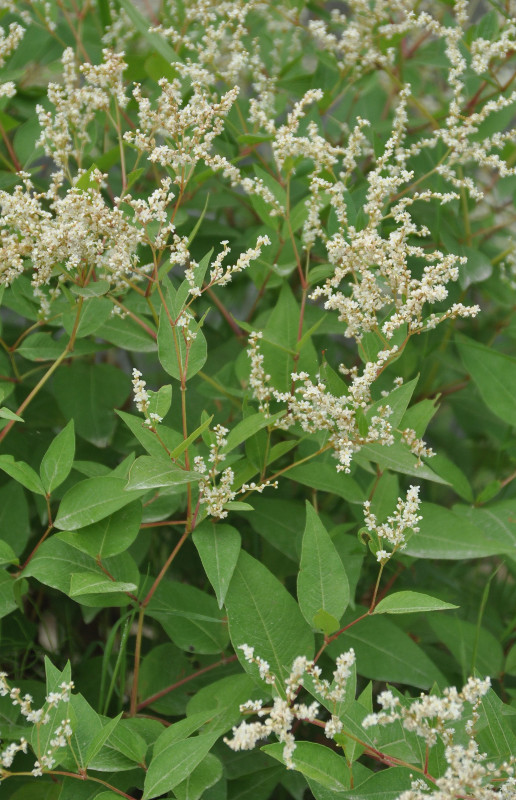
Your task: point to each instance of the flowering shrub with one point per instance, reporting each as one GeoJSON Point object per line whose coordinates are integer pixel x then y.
{"type": "Point", "coordinates": [257, 504]}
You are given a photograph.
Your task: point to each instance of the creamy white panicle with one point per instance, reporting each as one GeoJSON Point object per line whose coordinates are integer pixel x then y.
{"type": "Point", "coordinates": [280, 717]}
{"type": "Point", "coordinates": [393, 532]}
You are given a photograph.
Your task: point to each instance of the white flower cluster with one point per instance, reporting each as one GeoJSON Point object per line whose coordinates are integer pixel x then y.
{"type": "Point", "coordinates": [36, 716]}
{"type": "Point", "coordinates": [468, 774]}
{"type": "Point", "coordinates": [316, 408]}
{"type": "Point", "coordinates": [142, 400]}
{"type": "Point", "coordinates": [8, 43]}
{"type": "Point", "coordinates": [64, 132]}
{"type": "Point", "coordinates": [393, 532]}
{"type": "Point", "coordinates": [220, 276]}
{"type": "Point", "coordinates": [435, 719]}
{"type": "Point", "coordinates": [216, 484]}
{"type": "Point", "coordinates": [77, 232]}
{"type": "Point", "coordinates": [429, 715]}
{"type": "Point", "coordinates": [188, 130]}
{"type": "Point", "coordinates": [281, 716]}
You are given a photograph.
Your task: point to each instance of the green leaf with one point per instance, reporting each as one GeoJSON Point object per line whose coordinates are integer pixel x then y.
{"type": "Point", "coordinates": [410, 603]}
{"type": "Point", "coordinates": [190, 617]}
{"type": "Point", "coordinates": [88, 393]}
{"type": "Point", "coordinates": [148, 472]}
{"type": "Point", "coordinates": [142, 433]}
{"type": "Point", "coordinates": [322, 583]}
{"type": "Point", "coordinates": [206, 774]}
{"type": "Point", "coordinates": [127, 334]}
{"type": "Point", "coordinates": [172, 763]}
{"type": "Point", "coordinates": [466, 641]}
{"type": "Point", "coordinates": [494, 375]}
{"type": "Point", "coordinates": [92, 289]}
{"type": "Point", "coordinates": [317, 762]}
{"type": "Point", "coordinates": [142, 25]}
{"type": "Point", "coordinates": [398, 458]}
{"type": "Point", "coordinates": [179, 450]}
{"type": "Point", "coordinates": [387, 784]}
{"type": "Point", "coordinates": [160, 401]}
{"type": "Point", "coordinates": [40, 347]}
{"type": "Point", "coordinates": [86, 583]}
{"type": "Point", "coordinates": [7, 554]}
{"type": "Point", "coordinates": [55, 562]}
{"type": "Point", "coordinates": [248, 427]}
{"type": "Point", "coordinates": [175, 355]}
{"type": "Point", "coordinates": [384, 652]}
{"type": "Point", "coordinates": [218, 547]}
{"type": "Point", "coordinates": [322, 621]}
{"type": "Point", "coordinates": [398, 400]}
{"type": "Point", "coordinates": [276, 520]}
{"type": "Point", "coordinates": [94, 312]}
{"type": "Point", "coordinates": [57, 462]}
{"type": "Point", "coordinates": [101, 738]}
{"type": "Point", "coordinates": [6, 413]}
{"type": "Point", "coordinates": [7, 601]}
{"type": "Point", "coordinates": [109, 536]}
{"type": "Point", "coordinates": [93, 499]}
{"type": "Point", "coordinates": [325, 478]}
{"type": "Point", "coordinates": [461, 533]}
{"type": "Point", "coordinates": [223, 698]}
{"type": "Point", "coordinates": [494, 734]}
{"type": "Point", "coordinates": [22, 473]}
{"type": "Point", "coordinates": [263, 615]}
{"type": "Point", "coordinates": [14, 516]}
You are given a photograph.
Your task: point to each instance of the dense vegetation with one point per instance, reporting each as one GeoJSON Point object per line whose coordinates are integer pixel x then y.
{"type": "Point", "coordinates": [257, 463]}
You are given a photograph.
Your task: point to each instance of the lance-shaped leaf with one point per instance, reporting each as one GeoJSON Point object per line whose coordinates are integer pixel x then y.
{"type": "Point", "coordinates": [57, 462]}
{"type": "Point", "coordinates": [263, 615]}
{"type": "Point", "coordinates": [322, 583]}
{"type": "Point", "coordinates": [218, 547]}
{"type": "Point", "coordinates": [410, 603]}
{"type": "Point", "coordinates": [93, 499]}
{"type": "Point", "coordinates": [173, 761]}
{"type": "Point", "coordinates": [149, 472]}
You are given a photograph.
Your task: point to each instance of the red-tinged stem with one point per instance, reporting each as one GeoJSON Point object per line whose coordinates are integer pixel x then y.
{"type": "Point", "coordinates": [225, 313]}
{"type": "Point", "coordinates": [36, 548]}
{"type": "Point", "coordinates": [163, 523]}
{"type": "Point", "coordinates": [66, 352]}
{"type": "Point", "coordinates": [164, 568]}
{"type": "Point", "coordinates": [329, 639]}
{"type": "Point", "coordinates": [153, 698]}
{"type": "Point", "coordinates": [136, 318]}
{"type": "Point", "coordinates": [137, 658]}
{"type": "Point", "coordinates": [83, 777]}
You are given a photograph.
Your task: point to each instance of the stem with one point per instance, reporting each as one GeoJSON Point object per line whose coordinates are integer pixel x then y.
{"type": "Point", "coordinates": [225, 313]}
{"type": "Point", "coordinates": [165, 567]}
{"type": "Point", "coordinates": [329, 639]}
{"type": "Point", "coordinates": [50, 371]}
{"type": "Point", "coordinates": [137, 654]}
{"type": "Point", "coordinates": [153, 698]}
{"type": "Point", "coordinates": [377, 585]}
{"type": "Point", "coordinates": [35, 549]}
{"type": "Point", "coordinates": [34, 392]}
{"type": "Point", "coordinates": [86, 777]}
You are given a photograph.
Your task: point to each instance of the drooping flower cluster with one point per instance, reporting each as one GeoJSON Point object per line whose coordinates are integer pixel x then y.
{"type": "Point", "coordinates": [393, 532]}
{"type": "Point", "coordinates": [281, 716]}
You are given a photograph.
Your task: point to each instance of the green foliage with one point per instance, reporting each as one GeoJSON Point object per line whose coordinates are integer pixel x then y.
{"type": "Point", "coordinates": [257, 400]}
